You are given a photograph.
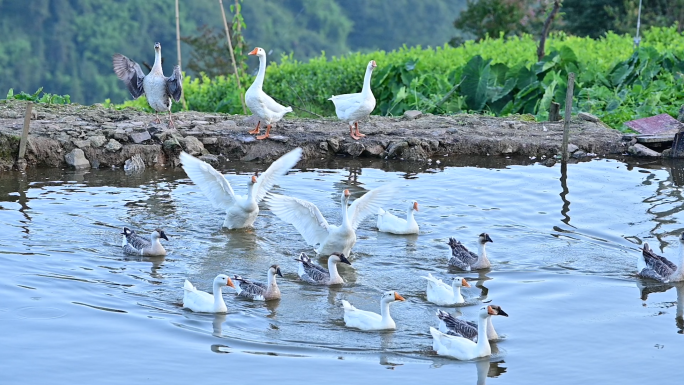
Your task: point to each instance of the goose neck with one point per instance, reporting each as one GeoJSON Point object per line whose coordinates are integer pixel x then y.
{"type": "Point", "coordinates": [259, 81]}
{"type": "Point", "coordinates": [332, 269]}
{"type": "Point", "coordinates": [367, 81]}
{"type": "Point", "coordinates": [385, 311]}
{"type": "Point", "coordinates": [157, 66]}
{"type": "Point", "coordinates": [345, 214]}
{"type": "Point", "coordinates": [482, 341]}
{"type": "Point", "coordinates": [218, 295]}
{"type": "Point", "coordinates": [481, 250]}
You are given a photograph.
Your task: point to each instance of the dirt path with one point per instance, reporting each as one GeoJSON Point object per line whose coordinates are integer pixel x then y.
{"type": "Point", "coordinates": [107, 137]}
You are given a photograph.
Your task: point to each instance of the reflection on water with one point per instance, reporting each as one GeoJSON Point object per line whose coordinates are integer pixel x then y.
{"type": "Point", "coordinates": [545, 257]}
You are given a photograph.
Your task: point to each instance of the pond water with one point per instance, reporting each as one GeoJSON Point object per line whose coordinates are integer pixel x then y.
{"type": "Point", "coordinates": [75, 308]}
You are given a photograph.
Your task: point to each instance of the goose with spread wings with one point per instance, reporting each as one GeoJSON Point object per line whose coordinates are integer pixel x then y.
{"type": "Point", "coordinates": [316, 230]}
{"type": "Point", "coordinates": [158, 88]}
{"type": "Point", "coordinates": [241, 210]}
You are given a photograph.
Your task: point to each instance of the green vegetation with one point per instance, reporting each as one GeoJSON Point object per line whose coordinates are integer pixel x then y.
{"type": "Point", "coordinates": [496, 76]}
{"type": "Point", "coordinates": [37, 98]}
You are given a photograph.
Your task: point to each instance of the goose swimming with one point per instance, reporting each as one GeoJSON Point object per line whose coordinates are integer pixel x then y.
{"type": "Point", "coordinates": [311, 224]}
{"type": "Point", "coordinates": [133, 243]}
{"type": "Point", "coordinates": [241, 210]}
{"type": "Point", "coordinates": [440, 293]}
{"type": "Point", "coordinates": [390, 223]}
{"type": "Point", "coordinates": [367, 320]}
{"type": "Point", "coordinates": [653, 266]}
{"type": "Point", "coordinates": [317, 275]}
{"type": "Point", "coordinates": [462, 348]}
{"type": "Point", "coordinates": [158, 88]}
{"type": "Point", "coordinates": [203, 302]}
{"type": "Point", "coordinates": [260, 291]}
{"type": "Point", "coordinates": [458, 327]}
{"type": "Point", "coordinates": [465, 259]}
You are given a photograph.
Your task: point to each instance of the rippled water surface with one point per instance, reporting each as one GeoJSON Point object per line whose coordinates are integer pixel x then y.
{"type": "Point", "coordinates": [75, 308]}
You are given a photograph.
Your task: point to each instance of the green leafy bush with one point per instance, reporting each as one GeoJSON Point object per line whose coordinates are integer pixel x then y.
{"type": "Point", "coordinates": [496, 75]}
{"type": "Point", "coordinates": [37, 98]}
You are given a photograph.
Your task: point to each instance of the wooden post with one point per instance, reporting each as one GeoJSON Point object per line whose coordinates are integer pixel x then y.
{"type": "Point", "coordinates": [232, 56]}
{"type": "Point", "coordinates": [185, 106]}
{"type": "Point", "coordinates": [568, 113]}
{"type": "Point", "coordinates": [554, 112]}
{"type": "Point", "coordinates": [25, 132]}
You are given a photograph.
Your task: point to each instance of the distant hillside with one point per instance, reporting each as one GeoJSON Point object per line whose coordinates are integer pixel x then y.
{"type": "Point", "coordinates": [65, 46]}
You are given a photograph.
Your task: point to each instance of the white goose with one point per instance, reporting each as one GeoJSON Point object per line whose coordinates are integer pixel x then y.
{"type": "Point", "coordinates": [465, 259]}
{"type": "Point", "coordinates": [263, 106]}
{"type": "Point", "coordinates": [440, 293]}
{"type": "Point", "coordinates": [311, 224]}
{"type": "Point", "coordinates": [653, 266]}
{"type": "Point", "coordinates": [462, 348]}
{"type": "Point", "coordinates": [355, 107]}
{"type": "Point", "coordinates": [260, 291]}
{"type": "Point", "coordinates": [390, 223]}
{"type": "Point", "coordinates": [317, 275]}
{"type": "Point", "coordinates": [203, 302]}
{"type": "Point", "coordinates": [158, 88]}
{"type": "Point", "coordinates": [241, 210]}
{"type": "Point", "coordinates": [458, 327]}
{"type": "Point", "coordinates": [367, 320]}
{"type": "Point", "coordinates": [133, 243]}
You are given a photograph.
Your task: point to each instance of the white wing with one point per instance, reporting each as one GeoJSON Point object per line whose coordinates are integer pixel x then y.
{"type": "Point", "coordinates": [301, 214]}
{"type": "Point", "coordinates": [369, 204]}
{"type": "Point", "coordinates": [279, 168]}
{"type": "Point", "coordinates": [211, 182]}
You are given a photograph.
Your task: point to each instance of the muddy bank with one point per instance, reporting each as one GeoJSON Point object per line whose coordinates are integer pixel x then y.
{"type": "Point", "coordinates": [93, 136]}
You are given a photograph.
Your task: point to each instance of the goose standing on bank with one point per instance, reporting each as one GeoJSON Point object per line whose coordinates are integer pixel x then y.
{"type": "Point", "coordinates": [263, 106]}
{"type": "Point", "coordinates": [458, 327]}
{"type": "Point", "coordinates": [317, 275]}
{"type": "Point", "coordinates": [465, 259]}
{"type": "Point", "coordinates": [203, 302]}
{"type": "Point", "coordinates": [259, 291]}
{"type": "Point", "coordinates": [367, 320]}
{"type": "Point", "coordinates": [158, 88]}
{"type": "Point", "coordinates": [311, 224]}
{"type": "Point", "coordinates": [133, 243]}
{"type": "Point", "coordinates": [241, 210]}
{"type": "Point", "coordinates": [653, 266]}
{"type": "Point", "coordinates": [440, 293]}
{"type": "Point", "coordinates": [352, 108]}
{"type": "Point", "coordinates": [462, 348]}
{"type": "Point", "coordinates": [390, 223]}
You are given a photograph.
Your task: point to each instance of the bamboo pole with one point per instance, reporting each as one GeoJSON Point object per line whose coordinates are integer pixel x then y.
{"type": "Point", "coordinates": [232, 56]}
{"type": "Point", "coordinates": [178, 48]}
{"type": "Point", "coordinates": [25, 132]}
{"type": "Point", "coordinates": [568, 113]}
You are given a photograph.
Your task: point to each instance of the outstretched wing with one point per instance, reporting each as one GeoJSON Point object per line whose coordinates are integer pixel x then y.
{"type": "Point", "coordinates": [301, 214]}
{"type": "Point", "coordinates": [130, 72]}
{"type": "Point", "coordinates": [270, 177]}
{"type": "Point", "coordinates": [369, 204]}
{"type": "Point", "coordinates": [174, 83]}
{"type": "Point", "coordinates": [213, 185]}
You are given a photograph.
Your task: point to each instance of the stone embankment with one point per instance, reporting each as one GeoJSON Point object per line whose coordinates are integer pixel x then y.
{"type": "Point", "coordinates": [94, 136]}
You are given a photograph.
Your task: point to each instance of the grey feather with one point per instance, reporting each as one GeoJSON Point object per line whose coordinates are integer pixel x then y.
{"type": "Point", "coordinates": [131, 74]}
{"type": "Point", "coordinates": [457, 326]}
{"type": "Point", "coordinates": [461, 257]}
{"type": "Point", "coordinates": [134, 242]}
{"type": "Point", "coordinates": [249, 289]}
{"type": "Point", "coordinates": [651, 274]}
{"type": "Point", "coordinates": [174, 84]}
{"type": "Point", "coordinates": [313, 273]}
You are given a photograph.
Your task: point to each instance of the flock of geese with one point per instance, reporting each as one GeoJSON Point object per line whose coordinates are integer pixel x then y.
{"type": "Point", "coordinates": [161, 91]}
{"type": "Point", "coordinates": [457, 338]}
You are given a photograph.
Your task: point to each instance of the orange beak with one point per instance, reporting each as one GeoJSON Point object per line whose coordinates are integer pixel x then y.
{"type": "Point", "coordinates": [397, 297]}
{"type": "Point", "coordinates": [373, 64]}
{"type": "Point", "coordinates": [415, 206]}
{"type": "Point", "coordinates": [465, 283]}
{"type": "Point", "coordinates": [254, 51]}
{"type": "Point", "coordinates": [346, 193]}
{"type": "Point", "coordinates": [230, 283]}
{"type": "Point", "coordinates": [254, 178]}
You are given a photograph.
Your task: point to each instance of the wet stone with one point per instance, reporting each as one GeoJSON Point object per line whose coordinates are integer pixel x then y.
{"type": "Point", "coordinates": [76, 159]}
{"type": "Point", "coordinates": [139, 137]}
{"type": "Point", "coordinates": [572, 148]}
{"type": "Point", "coordinates": [334, 144]}
{"type": "Point", "coordinates": [192, 145]}
{"type": "Point", "coordinates": [113, 146]}
{"type": "Point", "coordinates": [81, 143]}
